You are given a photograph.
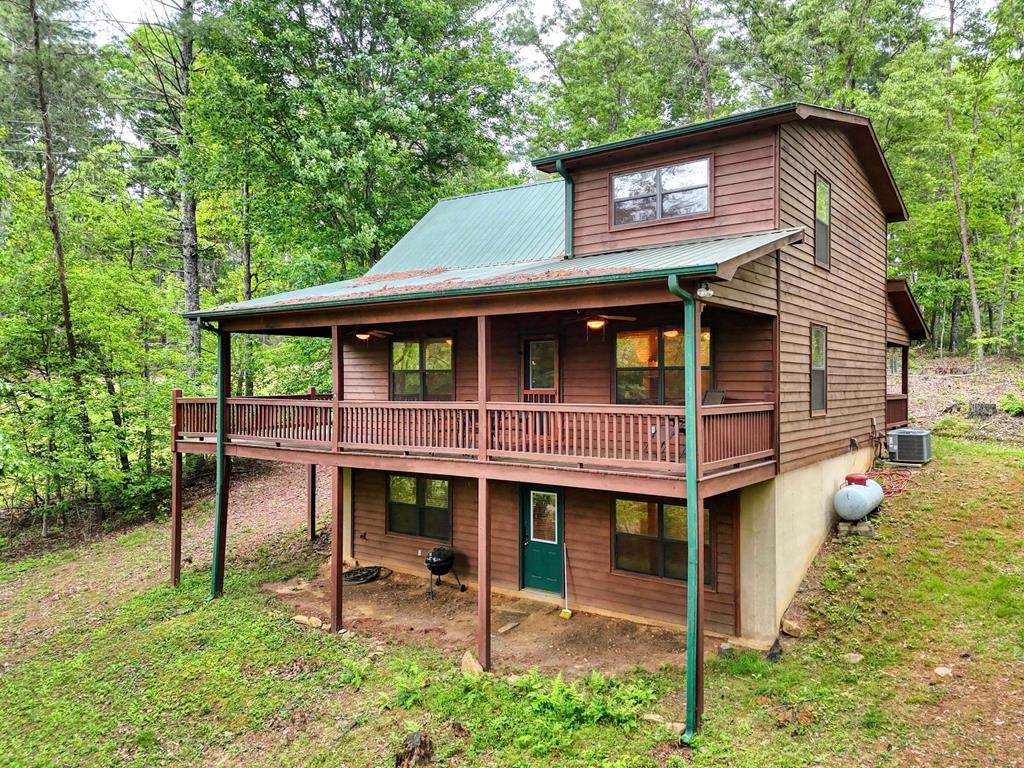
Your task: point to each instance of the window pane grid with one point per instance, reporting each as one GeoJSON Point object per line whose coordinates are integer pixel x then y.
{"type": "Point", "coordinates": [423, 369]}
{"type": "Point", "coordinates": [419, 506]}
{"type": "Point", "coordinates": [658, 555]}
{"type": "Point", "coordinates": [667, 192]}
{"type": "Point", "coordinates": [662, 380]}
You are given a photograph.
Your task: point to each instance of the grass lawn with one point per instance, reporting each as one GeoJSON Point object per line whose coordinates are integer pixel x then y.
{"type": "Point", "coordinates": [126, 671]}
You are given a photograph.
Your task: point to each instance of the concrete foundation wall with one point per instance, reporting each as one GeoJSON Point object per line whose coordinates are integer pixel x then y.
{"type": "Point", "coordinates": [783, 522]}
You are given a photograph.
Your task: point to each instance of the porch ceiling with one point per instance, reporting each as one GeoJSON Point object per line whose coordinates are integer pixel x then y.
{"type": "Point", "coordinates": [714, 258]}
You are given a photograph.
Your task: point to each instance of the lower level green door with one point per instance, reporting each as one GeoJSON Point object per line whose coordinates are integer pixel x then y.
{"type": "Point", "coordinates": [541, 538]}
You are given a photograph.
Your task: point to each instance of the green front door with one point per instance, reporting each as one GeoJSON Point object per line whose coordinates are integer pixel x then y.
{"type": "Point", "coordinates": [541, 538]}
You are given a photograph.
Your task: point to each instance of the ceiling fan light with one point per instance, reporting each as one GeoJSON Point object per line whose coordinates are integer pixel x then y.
{"type": "Point", "coordinates": [671, 333]}
{"type": "Point", "coordinates": [595, 323]}
{"type": "Point", "coordinates": [362, 335]}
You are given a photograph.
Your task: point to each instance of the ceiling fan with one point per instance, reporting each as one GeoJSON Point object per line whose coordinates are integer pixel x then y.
{"type": "Point", "coordinates": [368, 334]}
{"type": "Point", "coordinates": [597, 321]}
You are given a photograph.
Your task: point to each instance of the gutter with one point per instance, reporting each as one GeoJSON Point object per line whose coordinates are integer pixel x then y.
{"type": "Point", "coordinates": [570, 195]}
{"type": "Point", "coordinates": [693, 512]}
{"type": "Point", "coordinates": [704, 270]}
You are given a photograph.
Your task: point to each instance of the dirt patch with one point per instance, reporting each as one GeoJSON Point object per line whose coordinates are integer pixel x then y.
{"type": "Point", "coordinates": [267, 501]}
{"type": "Point", "coordinates": [398, 610]}
{"type": "Point", "coordinates": [941, 388]}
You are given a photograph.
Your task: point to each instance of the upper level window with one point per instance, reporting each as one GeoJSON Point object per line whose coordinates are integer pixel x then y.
{"type": "Point", "coordinates": [822, 219]}
{"type": "Point", "coordinates": [649, 365]}
{"type": "Point", "coordinates": [819, 369]}
{"type": "Point", "coordinates": [422, 370]}
{"type": "Point", "coordinates": [661, 193]}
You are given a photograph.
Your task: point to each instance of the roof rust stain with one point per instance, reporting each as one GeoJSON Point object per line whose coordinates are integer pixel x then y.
{"type": "Point", "coordinates": [406, 275]}
{"type": "Point", "coordinates": [443, 285]}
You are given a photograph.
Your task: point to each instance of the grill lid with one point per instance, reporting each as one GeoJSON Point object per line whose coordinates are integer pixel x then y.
{"type": "Point", "coordinates": [440, 556]}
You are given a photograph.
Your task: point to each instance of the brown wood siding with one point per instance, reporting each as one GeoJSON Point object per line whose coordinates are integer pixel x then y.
{"type": "Point", "coordinates": [743, 197]}
{"type": "Point", "coordinates": [366, 365]}
{"type": "Point", "coordinates": [742, 355]}
{"type": "Point", "coordinates": [752, 289]}
{"type": "Point", "coordinates": [588, 535]}
{"type": "Point", "coordinates": [848, 298]}
{"type": "Point", "coordinates": [742, 351]}
{"type": "Point", "coordinates": [895, 331]}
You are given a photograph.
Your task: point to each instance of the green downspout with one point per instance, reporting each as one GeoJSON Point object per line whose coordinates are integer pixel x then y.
{"type": "Point", "coordinates": [216, 571]}
{"type": "Point", "coordinates": [569, 187]}
{"type": "Point", "coordinates": [692, 512]}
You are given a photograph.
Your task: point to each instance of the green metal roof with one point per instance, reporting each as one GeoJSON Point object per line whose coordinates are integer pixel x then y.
{"type": "Point", "coordinates": [499, 226]}
{"type": "Point", "coordinates": [669, 133]}
{"type": "Point", "coordinates": [704, 257]}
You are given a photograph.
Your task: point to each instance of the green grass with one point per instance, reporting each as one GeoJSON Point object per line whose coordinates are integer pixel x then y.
{"type": "Point", "coordinates": [166, 677]}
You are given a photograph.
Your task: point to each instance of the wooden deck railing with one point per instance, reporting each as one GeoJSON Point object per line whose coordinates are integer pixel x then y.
{"type": "Point", "coordinates": [896, 410]}
{"type": "Point", "coordinates": [614, 436]}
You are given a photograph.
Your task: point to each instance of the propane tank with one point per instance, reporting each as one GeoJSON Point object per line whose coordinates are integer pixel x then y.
{"type": "Point", "coordinates": [857, 498]}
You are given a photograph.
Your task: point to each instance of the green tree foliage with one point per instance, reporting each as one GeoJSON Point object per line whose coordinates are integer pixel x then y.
{"type": "Point", "coordinates": [305, 138]}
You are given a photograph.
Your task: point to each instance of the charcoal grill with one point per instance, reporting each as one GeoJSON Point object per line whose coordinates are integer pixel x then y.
{"type": "Point", "coordinates": [440, 561]}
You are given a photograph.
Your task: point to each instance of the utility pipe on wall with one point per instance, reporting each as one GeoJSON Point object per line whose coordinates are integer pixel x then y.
{"type": "Point", "coordinates": [693, 514]}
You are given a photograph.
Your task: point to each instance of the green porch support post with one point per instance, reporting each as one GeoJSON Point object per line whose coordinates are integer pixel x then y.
{"type": "Point", "coordinates": [223, 465]}
{"type": "Point", "coordinates": [693, 517]}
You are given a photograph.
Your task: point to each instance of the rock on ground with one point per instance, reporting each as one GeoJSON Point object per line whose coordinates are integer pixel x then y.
{"type": "Point", "coordinates": [469, 664]}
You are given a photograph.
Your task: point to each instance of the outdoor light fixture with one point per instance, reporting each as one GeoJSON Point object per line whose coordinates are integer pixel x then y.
{"type": "Point", "coordinates": [595, 323]}
{"type": "Point", "coordinates": [363, 336]}
{"type": "Point", "coordinates": [704, 290]}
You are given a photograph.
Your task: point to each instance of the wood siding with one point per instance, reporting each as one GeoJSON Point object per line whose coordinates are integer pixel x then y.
{"type": "Point", "coordinates": [743, 196]}
{"type": "Point", "coordinates": [742, 349]}
{"type": "Point", "coordinates": [592, 581]}
{"type": "Point", "coordinates": [895, 330]}
{"type": "Point", "coordinates": [849, 298]}
{"type": "Point", "coordinates": [752, 289]}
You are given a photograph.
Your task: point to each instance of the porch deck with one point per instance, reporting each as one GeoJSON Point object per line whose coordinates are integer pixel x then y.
{"type": "Point", "coordinates": [632, 439]}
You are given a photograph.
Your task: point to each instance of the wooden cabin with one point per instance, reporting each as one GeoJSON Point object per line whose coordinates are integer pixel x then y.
{"type": "Point", "coordinates": [510, 379]}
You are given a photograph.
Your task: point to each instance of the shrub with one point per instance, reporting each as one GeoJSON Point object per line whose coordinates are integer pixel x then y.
{"type": "Point", "coordinates": [1012, 404]}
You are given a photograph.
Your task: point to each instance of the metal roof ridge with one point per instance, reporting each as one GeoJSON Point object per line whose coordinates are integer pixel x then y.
{"type": "Point", "coordinates": [667, 133]}
{"type": "Point", "coordinates": [511, 187]}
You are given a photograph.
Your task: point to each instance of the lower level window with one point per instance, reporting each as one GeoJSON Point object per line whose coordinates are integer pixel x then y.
{"type": "Point", "coordinates": [419, 506]}
{"type": "Point", "coordinates": [650, 537]}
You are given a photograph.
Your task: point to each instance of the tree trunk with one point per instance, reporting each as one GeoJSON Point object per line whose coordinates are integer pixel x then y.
{"type": "Point", "coordinates": [190, 269]}
{"type": "Point", "coordinates": [1011, 241]}
{"type": "Point", "coordinates": [116, 418]}
{"type": "Point", "coordinates": [189, 232]}
{"type": "Point", "coordinates": [965, 250]}
{"type": "Point", "coordinates": [246, 367]}
{"type": "Point", "coordinates": [50, 208]}
{"type": "Point", "coordinates": [954, 326]}
{"type": "Point", "coordinates": [700, 59]}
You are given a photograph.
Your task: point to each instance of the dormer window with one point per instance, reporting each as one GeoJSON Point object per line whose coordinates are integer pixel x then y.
{"type": "Point", "coordinates": [669, 192]}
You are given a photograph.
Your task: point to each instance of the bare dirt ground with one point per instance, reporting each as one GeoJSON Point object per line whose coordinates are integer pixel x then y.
{"type": "Point", "coordinates": [941, 388]}
{"type": "Point", "coordinates": [267, 501]}
{"type": "Point", "coordinates": [397, 608]}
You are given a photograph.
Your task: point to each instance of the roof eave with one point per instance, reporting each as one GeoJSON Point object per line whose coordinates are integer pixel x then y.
{"type": "Point", "coordinates": [547, 164]}
{"type": "Point", "coordinates": [894, 207]}
{"type": "Point", "coordinates": [709, 270]}
{"type": "Point", "coordinates": [908, 309]}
